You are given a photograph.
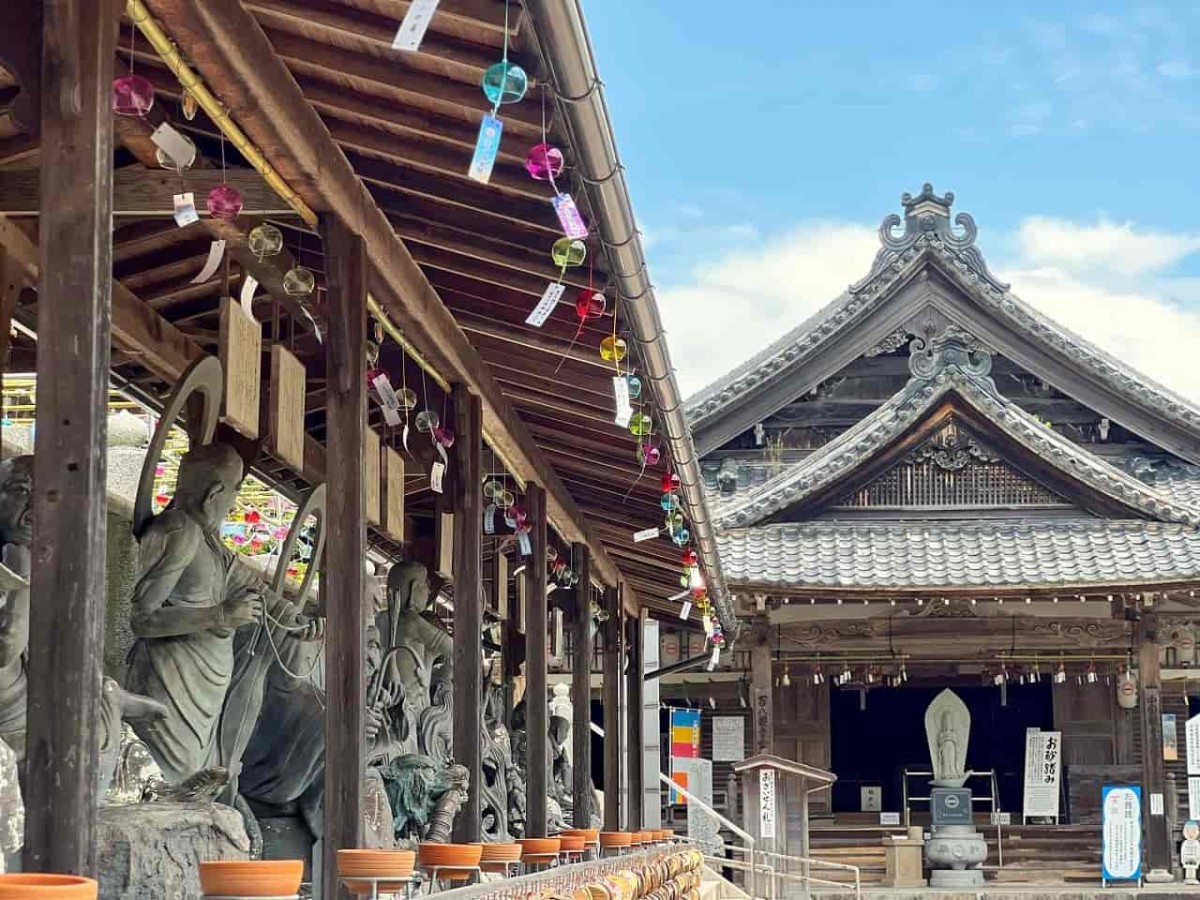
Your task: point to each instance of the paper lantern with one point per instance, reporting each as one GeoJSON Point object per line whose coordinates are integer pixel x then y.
{"type": "Point", "coordinates": [299, 282]}
{"type": "Point", "coordinates": [613, 349]}
{"type": "Point", "coordinates": [264, 240]}
{"type": "Point", "coordinates": [427, 420]}
{"type": "Point", "coordinates": [224, 202]}
{"type": "Point", "coordinates": [568, 252]}
{"type": "Point", "coordinates": [648, 454]}
{"type": "Point", "coordinates": [544, 162]}
{"type": "Point", "coordinates": [132, 95]}
{"type": "Point", "coordinates": [635, 386]}
{"type": "Point", "coordinates": [505, 82]}
{"type": "Point", "coordinates": [640, 425]}
{"type": "Point", "coordinates": [590, 304]}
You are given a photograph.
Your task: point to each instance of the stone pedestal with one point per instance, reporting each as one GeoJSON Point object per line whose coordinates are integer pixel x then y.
{"type": "Point", "coordinates": [955, 853]}
{"type": "Point", "coordinates": [149, 851]}
{"type": "Point", "coordinates": [903, 862]}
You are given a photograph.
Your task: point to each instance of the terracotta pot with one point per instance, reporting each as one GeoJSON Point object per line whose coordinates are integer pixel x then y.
{"type": "Point", "coordinates": [590, 835]}
{"type": "Point", "coordinates": [376, 864]}
{"type": "Point", "coordinates": [251, 878]}
{"type": "Point", "coordinates": [572, 842]}
{"type": "Point", "coordinates": [446, 857]}
{"type": "Point", "coordinates": [501, 853]}
{"type": "Point", "coordinates": [613, 839]}
{"type": "Point", "coordinates": [32, 885]}
{"type": "Point", "coordinates": [533, 847]}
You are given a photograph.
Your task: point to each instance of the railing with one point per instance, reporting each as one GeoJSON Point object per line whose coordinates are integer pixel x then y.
{"type": "Point", "coordinates": [992, 800]}
{"type": "Point", "coordinates": [561, 880]}
{"type": "Point", "coordinates": [784, 864]}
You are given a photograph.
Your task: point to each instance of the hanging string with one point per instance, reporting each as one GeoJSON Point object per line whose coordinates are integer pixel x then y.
{"type": "Point", "coordinates": [583, 318]}
{"type": "Point", "coordinates": [504, 67]}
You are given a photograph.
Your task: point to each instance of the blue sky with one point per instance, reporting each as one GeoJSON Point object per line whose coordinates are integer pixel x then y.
{"type": "Point", "coordinates": [762, 149]}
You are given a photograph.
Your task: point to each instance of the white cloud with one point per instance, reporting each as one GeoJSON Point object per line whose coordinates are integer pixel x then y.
{"type": "Point", "coordinates": [1106, 282]}
{"type": "Point", "coordinates": [1102, 247]}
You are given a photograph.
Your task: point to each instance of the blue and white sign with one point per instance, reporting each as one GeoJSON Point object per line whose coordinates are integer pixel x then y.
{"type": "Point", "coordinates": [1122, 811]}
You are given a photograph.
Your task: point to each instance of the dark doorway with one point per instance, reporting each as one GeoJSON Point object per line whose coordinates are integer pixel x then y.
{"type": "Point", "coordinates": [873, 746]}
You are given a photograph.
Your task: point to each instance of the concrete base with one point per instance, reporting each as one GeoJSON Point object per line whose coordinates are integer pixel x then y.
{"type": "Point", "coordinates": [903, 862]}
{"type": "Point", "coordinates": [1159, 876]}
{"type": "Point", "coordinates": [956, 878]}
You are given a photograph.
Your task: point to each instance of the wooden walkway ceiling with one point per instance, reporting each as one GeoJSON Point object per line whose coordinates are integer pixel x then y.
{"type": "Point", "coordinates": [407, 123]}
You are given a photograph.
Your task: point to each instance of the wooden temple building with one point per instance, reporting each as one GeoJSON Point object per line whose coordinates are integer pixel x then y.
{"type": "Point", "coordinates": [333, 171]}
{"type": "Point", "coordinates": [930, 484]}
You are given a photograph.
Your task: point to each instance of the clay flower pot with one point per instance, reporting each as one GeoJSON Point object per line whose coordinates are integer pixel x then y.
{"type": "Point", "coordinates": [589, 835]}
{"type": "Point", "coordinates": [573, 842]}
{"type": "Point", "coordinates": [612, 840]}
{"type": "Point", "coordinates": [448, 857]}
{"type": "Point", "coordinates": [251, 878]}
{"type": "Point", "coordinates": [33, 886]}
{"type": "Point", "coordinates": [539, 849]}
{"type": "Point", "coordinates": [376, 864]}
{"type": "Point", "coordinates": [498, 857]}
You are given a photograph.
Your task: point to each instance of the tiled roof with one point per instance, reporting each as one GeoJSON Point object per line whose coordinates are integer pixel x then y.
{"type": "Point", "coordinates": [955, 554]}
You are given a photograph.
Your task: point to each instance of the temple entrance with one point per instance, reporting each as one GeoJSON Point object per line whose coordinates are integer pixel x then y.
{"type": "Point", "coordinates": [872, 744]}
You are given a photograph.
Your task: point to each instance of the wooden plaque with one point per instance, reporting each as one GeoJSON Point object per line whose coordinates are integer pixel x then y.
{"type": "Point", "coordinates": [285, 408]}
{"type": "Point", "coordinates": [371, 479]}
{"type": "Point", "coordinates": [445, 545]}
{"type": "Point", "coordinates": [241, 358]}
{"type": "Point", "coordinates": [393, 494]}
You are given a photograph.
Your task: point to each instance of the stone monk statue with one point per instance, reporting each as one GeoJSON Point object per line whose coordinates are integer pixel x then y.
{"type": "Point", "coordinates": [947, 729]}
{"type": "Point", "coordinates": [191, 596]}
{"type": "Point", "coordinates": [16, 534]}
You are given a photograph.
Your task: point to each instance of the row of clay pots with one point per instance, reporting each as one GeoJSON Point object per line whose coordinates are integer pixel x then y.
{"type": "Point", "coordinates": [615, 840]}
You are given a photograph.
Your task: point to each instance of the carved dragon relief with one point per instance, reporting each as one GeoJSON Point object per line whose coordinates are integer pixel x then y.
{"type": "Point", "coordinates": [1094, 633]}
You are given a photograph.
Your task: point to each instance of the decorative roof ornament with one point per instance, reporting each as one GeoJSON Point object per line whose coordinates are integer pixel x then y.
{"type": "Point", "coordinates": [929, 359]}
{"type": "Point", "coordinates": [927, 223]}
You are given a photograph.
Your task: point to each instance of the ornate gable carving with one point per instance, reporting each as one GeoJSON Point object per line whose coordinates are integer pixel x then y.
{"type": "Point", "coordinates": [952, 468]}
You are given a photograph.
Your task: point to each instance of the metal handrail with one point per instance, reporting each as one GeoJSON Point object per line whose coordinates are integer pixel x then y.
{"type": "Point", "coordinates": [705, 808]}
{"type": "Point", "coordinates": [718, 862]}
{"type": "Point", "coordinates": [808, 862]}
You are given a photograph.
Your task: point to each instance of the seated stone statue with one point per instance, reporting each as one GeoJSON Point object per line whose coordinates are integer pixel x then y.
{"type": "Point", "coordinates": [191, 596]}
{"type": "Point", "coordinates": [16, 533]}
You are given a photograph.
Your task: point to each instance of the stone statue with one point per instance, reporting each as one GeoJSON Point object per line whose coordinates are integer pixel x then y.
{"type": "Point", "coordinates": [947, 728]}
{"type": "Point", "coordinates": [191, 597]}
{"type": "Point", "coordinates": [417, 659]}
{"type": "Point", "coordinates": [16, 533]}
{"type": "Point", "coordinates": [560, 765]}
{"type": "Point", "coordinates": [495, 761]}
{"type": "Point", "coordinates": [12, 809]}
{"type": "Point", "coordinates": [424, 796]}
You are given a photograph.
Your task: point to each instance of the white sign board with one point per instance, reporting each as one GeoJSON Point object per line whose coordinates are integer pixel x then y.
{"type": "Point", "coordinates": [888, 819]}
{"type": "Point", "coordinates": [729, 738]}
{"type": "Point", "coordinates": [871, 798]}
{"type": "Point", "coordinates": [703, 830]}
{"type": "Point", "coordinates": [766, 803]}
{"type": "Point", "coordinates": [1122, 842]}
{"type": "Point", "coordinates": [1001, 818]}
{"type": "Point", "coordinates": [1191, 734]}
{"type": "Point", "coordinates": [1194, 797]}
{"type": "Point", "coordinates": [1043, 773]}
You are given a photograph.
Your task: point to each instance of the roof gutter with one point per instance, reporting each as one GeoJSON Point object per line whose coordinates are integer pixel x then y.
{"type": "Point", "coordinates": [563, 39]}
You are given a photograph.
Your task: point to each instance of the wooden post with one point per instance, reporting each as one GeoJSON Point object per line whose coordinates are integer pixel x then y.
{"type": "Point", "coordinates": [468, 605]}
{"type": "Point", "coordinates": [634, 682]}
{"type": "Point", "coordinates": [69, 502]}
{"type": "Point", "coordinates": [581, 690]}
{"type": "Point", "coordinates": [761, 698]}
{"type": "Point", "coordinates": [611, 696]}
{"type": "Point", "coordinates": [537, 652]}
{"type": "Point", "coordinates": [345, 548]}
{"type": "Point", "coordinates": [1158, 840]}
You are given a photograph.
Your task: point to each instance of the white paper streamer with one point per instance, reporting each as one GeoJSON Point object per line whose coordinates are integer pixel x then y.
{"type": "Point", "coordinates": [216, 252]}
{"type": "Point", "coordinates": [249, 286]}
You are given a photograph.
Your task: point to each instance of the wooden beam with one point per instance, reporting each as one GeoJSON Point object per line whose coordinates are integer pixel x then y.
{"type": "Point", "coordinates": [762, 712]}
{"type": "Point", "coordinates": [634, 696]}
{"type": "Point", "coordinates": [468, 605]}
{"type": "Point", "coordinates": [345, 548]}
{"type": "Point", "coordinates": [234, 55]}
{"type": "Point", "coordinates": [537, 652]}
{"type": "Point", "coordinates": [1158, 835]}
{"type": "Point", "coordinates": [581, 690]}
{"type": "Point", "coordinates": [150, 193]}
{"type": "Point", "coordinates": [610, 687]}
{"type": "Point", "coordinates": [66, 627]}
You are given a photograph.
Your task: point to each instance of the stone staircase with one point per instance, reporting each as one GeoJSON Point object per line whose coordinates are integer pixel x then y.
{"type": "Point", "coordinates": [1033, 854]}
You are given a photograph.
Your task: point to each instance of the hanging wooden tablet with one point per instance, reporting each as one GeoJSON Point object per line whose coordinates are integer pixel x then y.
{"type": "Point", "coordinates": [393, 494]}
{"type": "Point", "coordinates": [285, 408]}
{"type": "Point", "coordinates": [445, 545]}
{"type": "Point", "coordinates": [371, 479]}
{"type": "Point", "coordinates": [241, 358]}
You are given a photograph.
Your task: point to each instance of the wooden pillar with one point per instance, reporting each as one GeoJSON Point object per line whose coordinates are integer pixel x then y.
{"type": "Point", "coordinates": [468, 605]}
{"type": "Point", "coordinates": [581, 690]}
{"type": "Point", "coordinates": [1158, 839]}
{"type": "Point", "coordinates": [611, 701]}
{"type": "Point", "coordinates": [66, 629]}
{"type": "Point", "coordinates": [537, 653]}
{"type": "Point", "coordinates": [761, 698]}
{"type": "Point", "coordinates": [634, 682]}
{"type": "Point", "coordinates": [345, 548]}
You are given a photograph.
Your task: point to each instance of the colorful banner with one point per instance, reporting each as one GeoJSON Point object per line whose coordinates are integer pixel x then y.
{"type": "Point", "coordinates": [1122, 854]}
{"type": "Point", "coordinates": [685, 744]}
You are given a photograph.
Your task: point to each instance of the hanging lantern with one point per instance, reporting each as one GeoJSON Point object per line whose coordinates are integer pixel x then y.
{"type": "Point", "coordinates": [613, 349]}
{"type": "Point", "coordinates": [648, 454]}
{"type": "Point", "coordinates": [224, 202]}
{"type": "Point", "coordinates": [544, 162]}
{"type": "Point", "coordinates": [673, 521]}
{"type": "Point", "coordinates": [299, 282]}
{"type": "Point", "coordinates": [670, 482]}
{"type": "Point", "coordinates": [427, 421]}
{"type": "Point", "coordinates": [590, 304]}
{"type": "Point", "coordinates": [173, 164]}
{"type": "Point", "coordinates": [568, 252]}
{"type": "Point", "coordinates": [689, 558]}
{"type": "Point", "coordinates": [444, 436]}
{"type": "Point", "coordinates": [681, 537]}
{"type": "Point", "coordinates": [132, 95]}
{"type": "Point", "coordinates": [407, 398]}
{"type": "Point", "coordinates": [640, 425]}
{"type": "Point", "coordinates": [492, 489]}
{"type": "Point", "coordinates": [635, 386]}
{"type": "Point", "coordinates": [264, 240]}
{"type": "Point", "coordinates": [669, 502]}
{"type": "Point", "coordinates": [505, 82]}
{"type": "Point", "coordinates": [505, 500]}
